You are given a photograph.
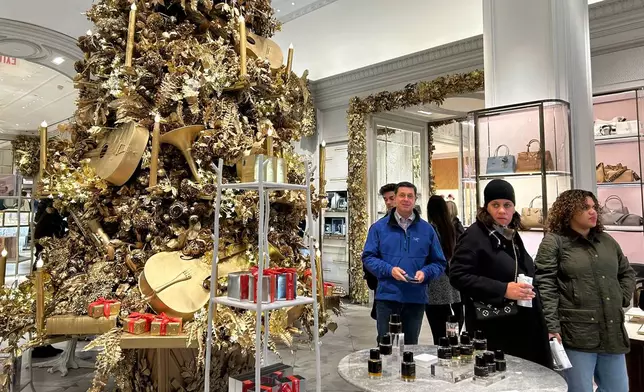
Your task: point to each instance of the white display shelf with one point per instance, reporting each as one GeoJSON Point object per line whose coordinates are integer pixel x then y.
{"type": "Point", "coordinates": [524, 175]}
{"type": "Point", "coordinates": [619, 185]}
{"type": "Point", "coordinates": [612, 139]}
{"type": "Point", "coordinates": [628, 229]}
{"type": "Point", "coordinates": [273, 186]}
{"type": "Point", "coordinates": [235, 303]}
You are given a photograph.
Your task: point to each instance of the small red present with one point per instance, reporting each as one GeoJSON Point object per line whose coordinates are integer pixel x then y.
{"type": "Point", "coordinates": [138, 323]}
{"type": "Point", "coordinates": [328, 288]}
{"type": "Point", "coordinates": [162, 325]}
{"type": "Point", "coordinates": [104, 308]}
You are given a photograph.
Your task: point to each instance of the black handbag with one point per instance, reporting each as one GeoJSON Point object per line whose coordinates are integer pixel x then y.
{"type": "Point", "coordinates": [509, 308]}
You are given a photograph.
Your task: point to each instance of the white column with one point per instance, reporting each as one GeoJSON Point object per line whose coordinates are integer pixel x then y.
{"type": "Point", "coordinates": [540, 49]}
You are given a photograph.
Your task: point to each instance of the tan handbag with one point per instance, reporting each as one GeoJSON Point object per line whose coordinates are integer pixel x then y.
{"type": "Point", "coordinates": [532, 217]}
{"type": "Point", "coordinates": [530, 161]}
{"type": "Point", "coordinates": [619, 173]}
{"type": "Point", "coordinates": [600, 173]}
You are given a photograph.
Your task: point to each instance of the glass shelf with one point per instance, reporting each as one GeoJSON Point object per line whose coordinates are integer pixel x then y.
{"type": "Point", "coordinates": [521, 175]}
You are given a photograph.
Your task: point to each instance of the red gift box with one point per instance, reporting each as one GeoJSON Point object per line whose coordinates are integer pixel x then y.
{"type": "Point", "coordinates": [138, 323]}
{"type": "Point", "coordinates": [163, 325]}
{"type": "Point", "coordinates": [328, 288]}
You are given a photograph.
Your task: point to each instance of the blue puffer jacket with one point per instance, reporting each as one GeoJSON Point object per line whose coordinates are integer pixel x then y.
{"type": "Point", "coordinates": [418, 249]}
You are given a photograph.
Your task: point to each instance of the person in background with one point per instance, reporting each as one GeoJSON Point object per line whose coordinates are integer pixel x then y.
{"type": "Point", "coordinates": [585, 280]}
{"type": "Point", "coordinates": [404, 253]}
{"type": "Point", "coordinates": [444, 300]}
{"type": "Point", "coordinates": [487, 260]}
{"type": "Point", "coordinates": [387, 192]}
{"type": "Point", "coordinates": [453, 215]}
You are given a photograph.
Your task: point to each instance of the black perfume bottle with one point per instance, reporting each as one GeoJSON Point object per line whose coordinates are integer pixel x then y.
{"type": "Point", "coordinates": [467, 350]}
{"type": "Point", "coordinates": [375, 363]}
{"type": "Point", "coordinates": [408, 367]}
{"type": "Point", "coordinates": [456, 350]}
{"type": "Point", "coordinates": [489, 359]}
{"type": "Point", "coordinates": [480, 366]}
{"type": "Point", "coordinates": [386, 352]}
{"type": "Point", "coordinates": [397, 335]}
{"type": "Point", "coordinates": [444, 352]}
{"type": "Point", "coordinates": [480, 342]}
{"type": "Point", "coordinates": [499, 359]}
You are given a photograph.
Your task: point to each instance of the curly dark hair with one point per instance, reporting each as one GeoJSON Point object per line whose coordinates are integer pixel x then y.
{"type": "Point", "coordinates": [566, 206]}
{"type": "Point", "coordinates": [483, 216]}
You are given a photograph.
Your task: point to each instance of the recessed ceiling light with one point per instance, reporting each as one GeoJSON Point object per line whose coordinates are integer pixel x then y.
{"type": "Point", "coordinates": [425, 112]}
{"type": "Point", "coordinates": [279, 10]}
{"type": "Point", "coordinates": [58, 60]}
{"type": "Point", "coordinates": [293, 3]}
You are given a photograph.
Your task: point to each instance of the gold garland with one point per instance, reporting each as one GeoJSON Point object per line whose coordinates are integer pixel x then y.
{"type": "Point", "coordinates": [434, 91]}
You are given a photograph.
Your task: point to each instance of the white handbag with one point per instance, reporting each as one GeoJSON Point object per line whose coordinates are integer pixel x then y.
{"type": "Point", "coordinates": [616, 126]}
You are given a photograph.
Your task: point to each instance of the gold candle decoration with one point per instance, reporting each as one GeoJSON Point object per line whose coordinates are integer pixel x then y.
{"type": "Point", "coordinates": [3, 265]}
{"type": "Point", "coordinates": [322, 165]}
{"type": "Point", "coordinates": [269, 142]}
{"type": "Point", "coordinates": [43, 148]}
{"type": "Point", "coordinates": [242, 46]}
{"type": "Point", "coordinates": [289, 61]}
{"type": "Point", "coordinates": [320, 280]}
{"type": "Point", "coordinates": [40, 297]}
{"type": "Point", "coordinates": [156, 142]}
{"type": "Point", "coordinates": [129, 50]}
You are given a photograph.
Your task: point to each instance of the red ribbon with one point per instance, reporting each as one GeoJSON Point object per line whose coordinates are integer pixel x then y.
{"type": "Point", "coordinates": [328, 286]}
{"type": "Point", "coordinates": [247, 386]}
{"type": "Point", "coordinates": [291, 276]}
{"type": "Point", "coordinates": [134, 317]}
{"type": "Point", "coordinates": [285, 388]}
{"type": "Point", "coordinates": [106, 305]}
{"type": "Point", "coordinates": [296, 383]}
{"type": "Point", "coordinates": [243, 286]}
{"type": "Point", "coordinates": [165, 320]}
{"type": "Point", "coordinates": [271, 273]}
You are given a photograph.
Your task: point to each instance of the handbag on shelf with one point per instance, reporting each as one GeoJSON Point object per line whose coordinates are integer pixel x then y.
{"type": "Point", "coordinates": [486, 311]}
{"type": "Point", "coordinates": [619, 216]}
{"type": "Point", "coordinates": [530, 161]}
{"type": "Point", "coordinates": [532, 217]}
{"type": "Point", "coordinates": [615, 173]}
{"type": "Point", "coordinates": [501, 164]}
{"type": "Point", "coordinates": [606, 128]}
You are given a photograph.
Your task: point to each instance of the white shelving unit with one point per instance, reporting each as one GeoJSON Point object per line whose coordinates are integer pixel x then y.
{"type": "Point", "coordinates": [264, 189]}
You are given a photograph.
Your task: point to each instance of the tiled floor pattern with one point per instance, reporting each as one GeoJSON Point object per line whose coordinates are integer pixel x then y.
{"type": "Point", "coordinates": [356, 331]}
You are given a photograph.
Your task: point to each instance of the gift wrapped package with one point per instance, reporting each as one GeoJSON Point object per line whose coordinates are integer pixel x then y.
{"type": "Point", "coordinates": [295, 383]}
{"type": "Point", "coordinates": [246, 382]}
{"type": "Point", "coordinates": [162, 325]}
{"type": "Point", "coordinates": [238, 285]}
{"type": "Point", "coordinates": [138, 323]}
{"type": "Point", "coordinates": [103, 308]}
{"type": "Point", "coordinates": [269, 287]}
{"type": "Point", "coordinates": [286, 283]}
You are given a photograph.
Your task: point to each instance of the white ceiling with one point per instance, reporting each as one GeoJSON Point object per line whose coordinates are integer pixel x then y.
{"type": "Point", "coordinates": [30, 94]}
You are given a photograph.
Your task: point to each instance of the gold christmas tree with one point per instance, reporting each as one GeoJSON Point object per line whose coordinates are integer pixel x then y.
{"type": "Point", "coordinates": [182, 66]}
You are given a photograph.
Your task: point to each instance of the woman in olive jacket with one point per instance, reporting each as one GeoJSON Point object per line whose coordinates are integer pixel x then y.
{"type": "Point", "coordinates": [487, 259]}
{"type": "Point", "coordinates": [585, 280]}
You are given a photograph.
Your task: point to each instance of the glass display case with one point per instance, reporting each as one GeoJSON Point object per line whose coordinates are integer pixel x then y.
{"type": "Point", "coordinates": [528, 145]}
{"type": "Point", "coordinates": [617, 131]}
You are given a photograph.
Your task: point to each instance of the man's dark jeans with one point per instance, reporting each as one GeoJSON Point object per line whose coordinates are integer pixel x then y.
{"type": "Point", "coordinates": [411, 315]}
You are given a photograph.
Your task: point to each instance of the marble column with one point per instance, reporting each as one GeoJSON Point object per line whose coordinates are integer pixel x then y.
{"type": "Point", "coordinates": [540, 49]}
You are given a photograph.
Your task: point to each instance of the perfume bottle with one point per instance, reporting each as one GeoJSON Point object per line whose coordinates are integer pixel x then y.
{"type": "Point", "coordinates": [499, 359]}
{"type": "Point", "coordinates": [408, 367]}
{"type": "Point", "coordinates": [467, 350]}
{"type": "Point", "coordinates": [456, 350]}
{"type": "Point", "coordinates": [397, 338]}
{"type": "Point", "coordinates": [375, 363]}
{"type": "Point", "coordinates": [480, 343]}
{"type": "Point", "coordinates": [489, 359]}
{"type": "Point", "coordinates": [480, 366]}
{"type": "Point", "coordinates": [386, 352]}
{"type": "Point", "coordinates": [444, 352]}
{"type": "Point", "coordinates": [452, 326]}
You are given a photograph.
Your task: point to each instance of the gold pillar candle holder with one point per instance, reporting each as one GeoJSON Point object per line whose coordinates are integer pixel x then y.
{"type": "Point", "coordinates": [242, 46]}
{"type": "Point", "coordinates": [156, 143]}
{"type": "Point", "coordinates": [40, 297]}
{"type": "Point", "coordinates": [129, 50]}
{"type": "Point", "coordinates": [289, 61]}
{"type": "Point", "coordinates": [281, 171]}
{"type": "Point", "coordinates": [3, 265]}
{"type": "Point", "coordinates": [43, 149]}
{"type": "Point", "coordinates": [322, 193]}
{"type": "Point", "coordinates": [320, 282]}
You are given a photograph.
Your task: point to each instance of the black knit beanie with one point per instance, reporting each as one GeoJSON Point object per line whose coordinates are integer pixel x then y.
{"type": "Point", "coordinates": [498, 189]}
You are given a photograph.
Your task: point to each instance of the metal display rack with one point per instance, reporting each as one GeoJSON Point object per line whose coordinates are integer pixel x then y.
{"type": "Point", "coordinates": [263, 188]}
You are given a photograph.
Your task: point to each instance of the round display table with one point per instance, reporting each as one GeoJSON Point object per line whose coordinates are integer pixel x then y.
{"type": "Point", "coordinates": [522, 376]}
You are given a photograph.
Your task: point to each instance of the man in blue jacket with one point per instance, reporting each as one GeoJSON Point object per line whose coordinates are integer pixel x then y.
{"type": "Point", "coordinates": [404, 253]}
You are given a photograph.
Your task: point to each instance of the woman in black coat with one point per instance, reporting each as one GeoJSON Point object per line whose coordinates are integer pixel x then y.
{"type": "Point", "coordinates": [488, 258]}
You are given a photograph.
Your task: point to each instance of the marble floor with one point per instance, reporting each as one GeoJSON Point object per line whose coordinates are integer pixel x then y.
{"type": "Point", "coordinates": [356, 331]}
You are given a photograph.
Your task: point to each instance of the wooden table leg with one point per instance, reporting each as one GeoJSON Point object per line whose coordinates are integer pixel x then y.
{"type": "Point", "coordinates": [163, 360]}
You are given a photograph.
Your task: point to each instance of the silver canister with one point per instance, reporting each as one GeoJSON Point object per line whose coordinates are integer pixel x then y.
{"type": "Point", "coordinates": [286, 286]}
{"type": "Point", "coordinates": [239, 285]}
{"type": "Point", "coordinates": [269, 288]}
